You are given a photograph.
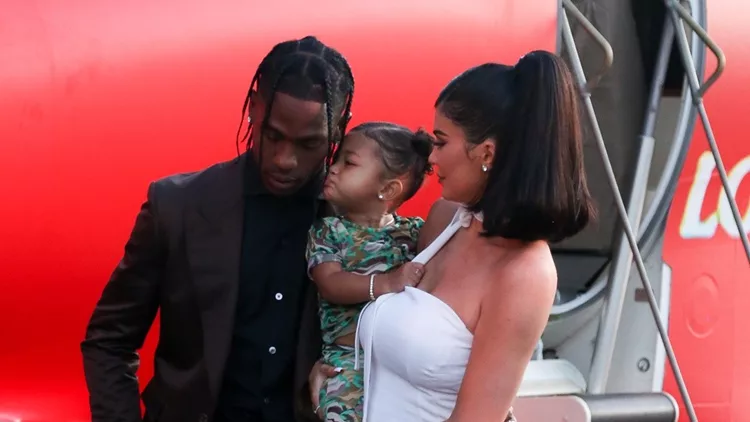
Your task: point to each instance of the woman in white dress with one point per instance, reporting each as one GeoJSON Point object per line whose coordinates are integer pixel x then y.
{"type": "Point", "coordinates": [508, 154]}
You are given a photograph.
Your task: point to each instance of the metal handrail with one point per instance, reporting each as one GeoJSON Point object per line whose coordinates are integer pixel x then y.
{"type": "Point", "coordinates": [721, 60]}
{"type": "Point", "coordinates": [597, 36]}
{"type": "Point", "coordinates": [656, 213]}
{"type": "Point", "coordinates": [622, 262]}
{"type": "Point", "coordinates": [697, 91]}
{"type": "Point", "coordinates": [623, 213]}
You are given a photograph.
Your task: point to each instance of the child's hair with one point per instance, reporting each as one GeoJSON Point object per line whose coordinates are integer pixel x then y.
{"type": "Point", "coordinates": [402, 150]}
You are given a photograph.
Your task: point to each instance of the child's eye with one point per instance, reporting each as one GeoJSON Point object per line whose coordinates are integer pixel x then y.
{"type": "Point", "coordinates": [348, 163]}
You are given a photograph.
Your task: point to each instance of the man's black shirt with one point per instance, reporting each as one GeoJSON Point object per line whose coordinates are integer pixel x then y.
{"type": "Point", "coordinates": [258, 374]}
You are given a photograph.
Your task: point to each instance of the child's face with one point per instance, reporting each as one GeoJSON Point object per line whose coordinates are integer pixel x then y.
{"type": "Point", "coordinates": [355, 179]}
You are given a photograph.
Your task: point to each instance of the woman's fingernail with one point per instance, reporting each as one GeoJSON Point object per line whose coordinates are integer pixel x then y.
{"type": "Point", "coordinates": [339, 369]}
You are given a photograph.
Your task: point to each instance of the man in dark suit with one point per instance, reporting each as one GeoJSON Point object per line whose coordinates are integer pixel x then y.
{"type": "Point", "coordinates": [220, 253]}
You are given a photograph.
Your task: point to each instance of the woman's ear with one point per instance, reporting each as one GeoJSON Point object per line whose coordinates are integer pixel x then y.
{"type": "Point", "coordinates": [392, 190]}
{"type": "Point", "coordinates": [486, 152]}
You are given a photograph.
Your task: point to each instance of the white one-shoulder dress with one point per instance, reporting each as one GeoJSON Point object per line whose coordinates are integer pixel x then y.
{"type": "Point", "coordinates": [416, 349]}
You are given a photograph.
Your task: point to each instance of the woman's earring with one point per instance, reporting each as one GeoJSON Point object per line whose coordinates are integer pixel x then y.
{"type": "Point", "coordinates": [485, 168]}
{"type": "Point", "coordinates": [380, 196]}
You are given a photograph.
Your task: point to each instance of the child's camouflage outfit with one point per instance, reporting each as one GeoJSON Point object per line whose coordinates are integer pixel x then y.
{"type": "Point", "coordinates": [360, 250]}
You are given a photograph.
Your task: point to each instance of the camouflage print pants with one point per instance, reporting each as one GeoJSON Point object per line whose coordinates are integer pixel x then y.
{"type": "Point", "coordinates": [341, 397]}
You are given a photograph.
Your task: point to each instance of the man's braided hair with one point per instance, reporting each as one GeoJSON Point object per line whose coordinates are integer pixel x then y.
{"type": "Point", "coordinates": [306, 69]}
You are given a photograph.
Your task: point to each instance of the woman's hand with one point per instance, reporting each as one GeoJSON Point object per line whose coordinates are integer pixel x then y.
{"type": "Point", "coordinates": [318, 375]}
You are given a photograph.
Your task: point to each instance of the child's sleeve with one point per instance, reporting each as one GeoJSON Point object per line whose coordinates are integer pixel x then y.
{"type": "Point", "coordinates": [415, 227]}
{"type": "Point", "coordinates": [323, 243]}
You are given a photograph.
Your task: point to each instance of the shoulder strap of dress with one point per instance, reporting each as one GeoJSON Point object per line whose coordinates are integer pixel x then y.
{"type": "Point", "coordinates": [462, 218]}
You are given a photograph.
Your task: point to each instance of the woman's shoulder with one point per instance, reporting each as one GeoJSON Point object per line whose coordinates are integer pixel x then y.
{"type": "Point", "coordinates": [440, 215]}
{"type": "Point", "coordinates": [516, 301]}
{"type": "Point", "coordinates": [529, 277]}
{"type": "Point", "coordinates": [443, 210]}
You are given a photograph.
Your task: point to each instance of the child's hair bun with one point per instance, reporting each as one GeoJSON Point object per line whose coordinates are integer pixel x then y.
{"type": "Point", "coordinates": [421, 142]}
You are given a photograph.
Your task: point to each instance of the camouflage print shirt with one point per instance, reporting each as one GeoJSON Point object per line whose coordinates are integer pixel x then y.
{"type": "Point", "coordinates": [360, 250]}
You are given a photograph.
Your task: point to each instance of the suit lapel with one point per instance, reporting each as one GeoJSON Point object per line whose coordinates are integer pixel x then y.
{"type": "Point", "coordinates": [213, 241]}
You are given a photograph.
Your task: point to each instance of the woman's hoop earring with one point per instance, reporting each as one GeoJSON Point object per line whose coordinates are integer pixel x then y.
{"type": "Point", "coordinates": [485, 168]}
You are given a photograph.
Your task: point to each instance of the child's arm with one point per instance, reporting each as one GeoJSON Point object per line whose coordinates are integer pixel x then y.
{"type": "Point", "coordinates": [337, 286]}
{"type": "Point", "coordinates": [340, 287]}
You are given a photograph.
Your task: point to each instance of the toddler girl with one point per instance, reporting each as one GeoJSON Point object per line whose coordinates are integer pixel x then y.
{"type": "Point", "coordinates": [364, 252]}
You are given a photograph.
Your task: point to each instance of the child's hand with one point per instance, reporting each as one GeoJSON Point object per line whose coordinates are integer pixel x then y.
{"type": "Point", "coordinates": [409, 274]}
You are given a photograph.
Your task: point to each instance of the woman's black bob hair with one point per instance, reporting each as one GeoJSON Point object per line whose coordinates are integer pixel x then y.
{"type": "Point", "coordinates": [536, 187]}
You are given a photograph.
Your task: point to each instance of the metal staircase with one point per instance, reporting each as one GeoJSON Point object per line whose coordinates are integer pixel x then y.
{"type": "Point", "coordinates": [553, 388]}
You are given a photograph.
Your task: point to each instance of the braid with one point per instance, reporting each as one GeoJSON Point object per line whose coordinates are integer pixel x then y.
{"type": "Point", "coordinates": [329, 117]}
{"type": "Point", "coordinates": [282, 70]}
{"type": "Point", "coordinates": [346, 84]}
{"type": "Point", "coordinates": [302, 68]}
{"type": "Point", "coordinates": [246, 105]}
{"type": "Point", "coordinates": [248, 133]}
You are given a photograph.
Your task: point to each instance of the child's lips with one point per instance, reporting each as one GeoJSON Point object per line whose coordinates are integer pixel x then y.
{"type": "Point", "coordinates": [328, 186]}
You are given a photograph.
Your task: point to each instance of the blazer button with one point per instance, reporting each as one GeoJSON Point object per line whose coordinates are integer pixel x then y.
{"type": "Point", "coordinates": [202, 417]}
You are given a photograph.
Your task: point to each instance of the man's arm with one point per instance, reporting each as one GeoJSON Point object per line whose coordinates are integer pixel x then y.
{"type": "Point", "coordinates": [121, 320]}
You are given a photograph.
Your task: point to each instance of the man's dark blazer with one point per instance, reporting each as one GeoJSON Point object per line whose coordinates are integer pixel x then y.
{"type": "Point", "coordinates": [183, 259]}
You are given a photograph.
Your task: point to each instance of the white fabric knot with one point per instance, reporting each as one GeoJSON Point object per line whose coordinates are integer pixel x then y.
{"type": "Point", "coordinates": [465, 217]}
{"type": "Point", "coordinates": [462, 218]}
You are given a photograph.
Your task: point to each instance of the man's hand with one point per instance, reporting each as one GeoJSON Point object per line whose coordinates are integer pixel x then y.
{"type": "Point", "coordinates": [318, 376]}
{"type": "Point", "coordinates": [395, 281]}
